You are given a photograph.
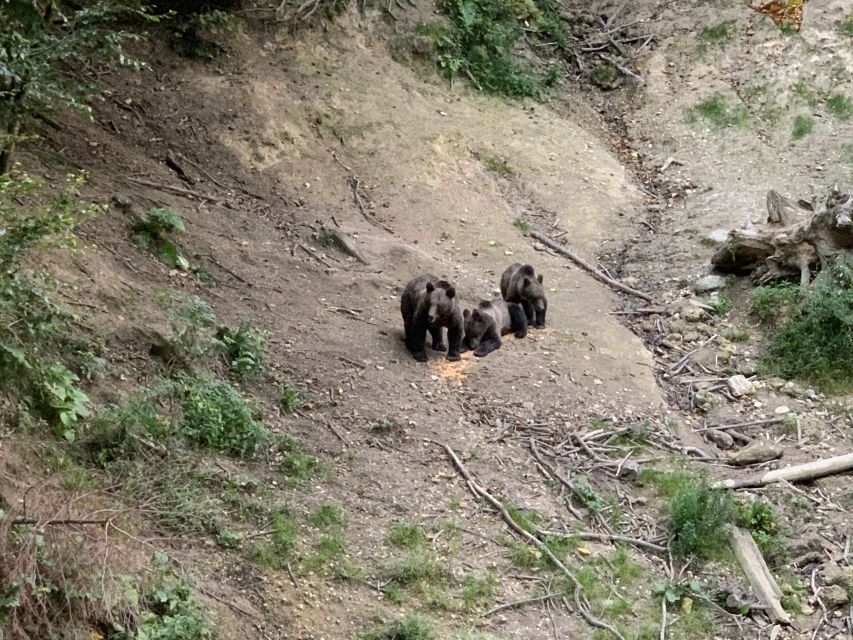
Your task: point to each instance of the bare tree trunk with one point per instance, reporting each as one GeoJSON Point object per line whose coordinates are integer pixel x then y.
{"type": "Point", "coordinates": [8, 152]}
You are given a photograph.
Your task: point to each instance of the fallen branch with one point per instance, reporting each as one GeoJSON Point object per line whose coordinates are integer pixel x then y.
{"type": "Point", "coordinates": [740, 425]}
{"type": "Point", "coordinates": [344, 243]}
{"type": "Point", "coordinates": [755, 568]}
{"type": "Point", "coordinates": [598, 275]}
{"type": "Point", "coordinates": [17, 522]}
{"type": "Point", "coordinates": [797, 473]}
{"type": "Point", "coordinates": [518, 603]}
{"type": "Point", "coordinates": [480, 493]}
{"type": "Point", "coordinates": [187, 193]}
{"type": "Point", "coordinates": [607, 537]}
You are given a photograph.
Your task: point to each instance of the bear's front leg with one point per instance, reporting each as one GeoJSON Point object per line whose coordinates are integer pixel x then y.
{"type": "Point", "coordinates": [455, 333]}
{"type": "Point", "coordinates": [438, 338]}
{"type": "Point", "coordinates": [540, 317]}
{"type": "Point", "coordinates": [491, 342]}
{"type": "Point", "coordinates": [415, 340]}
{"type": "Point", "coordinates": [529, 312]}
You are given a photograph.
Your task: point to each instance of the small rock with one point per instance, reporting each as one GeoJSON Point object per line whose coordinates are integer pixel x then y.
{"type": "Point", "coordinates": [781, 411]}
{"type": "Point", "coordinates": [688, 310]}
{"type": "Point", "coordinates": [740, 386]}
{"type": "Point", "coordinates": [807, 543]}
{"type": "Point", "coordinates": [528, 405]}
{"type": "Point", "coordinates": [691, 336]}
{"type": "Point", "coordinates": [707, 400]}
{"type": "Point", "coordinates": [630, 470]}
{"type": "Point", "coordinates": [122, 202]}
{"type": "Point", "coordinates": [720, 438]}
{"type": "Point", "coordinates": [759, 450]}
{"type": "Point", "coordinates": [775, 383]}
{"type": "Point", "coordinates": [830, 573]}
{"type": "Point", "coordinates": [718, 236]}
{"type": "Point", "coordinates": [747, 367]}
{"type": "Point", "coordinates": [834, 596]}
{"type": "Point", "coordinates": [709, 283]}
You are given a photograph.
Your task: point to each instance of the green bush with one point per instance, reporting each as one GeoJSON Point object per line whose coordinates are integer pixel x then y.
{"type": "Point", "coordinates": [770, 302]}
{"type": "Point", "coordinates": [244, 351]}
{"type": "Point", "coordinates": [410, 627]}
{"type": "Point", "coordinates": [191, 321]}
{"type": "Point", "coordinates": [803, 126]}
{"type": "Point", "coordinates": [480, 38]}
{"type": "Point", "coordinates": [759, 517]}
{"type": "Point", "coordinates": [126, 432]}
{"type": "Point", "coordinates": [409, 536]}
{"type": "Point", "coordinates": [171, 612]}
{"type": "Point", "coordinates": [150, 231]}
{"type": "Point", "coordinates": [815, 343]}
{"type": "Point", "coordinates": [216, 416]}
{"type": "Point", "coordinates": [701, 517]}
{"type": "Point", "coordinates": [34, 334]}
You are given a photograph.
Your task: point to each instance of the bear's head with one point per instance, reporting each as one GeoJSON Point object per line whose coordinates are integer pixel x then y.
{"type": "Point", "coordinates": [440, 300]}
{"type": "Point", "coordinates": [532, 290]}
{"type": "Point", "coordinates": [476, 325]}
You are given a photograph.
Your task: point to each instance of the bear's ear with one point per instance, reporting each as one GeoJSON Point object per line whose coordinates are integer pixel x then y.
{"type": "Point", "coordinates": [475, 314]}
{"type": "Point", "coordinates": [540, 278]}
{"type": "Point", "coordinates": [430, 287]}
{"type": "Point", "coordinates": [450, 292]}
{"type": "Point", "coordinates": [466, 313]}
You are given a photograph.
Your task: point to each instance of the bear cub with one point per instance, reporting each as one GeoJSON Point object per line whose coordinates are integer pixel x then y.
{"type": "Point", "coordinates": [430, 304]}
{"type": "Point", "coordinates": [520, 284]}
{"type": "Point", "coordinates": [488, 321]}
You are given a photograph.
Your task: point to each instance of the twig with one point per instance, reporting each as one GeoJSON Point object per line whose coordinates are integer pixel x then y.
{"type": "Point", "coordinates": [315, 255]}
{"type": "Point", "coordinates": [355, 183]}
{"type": "Point", "coordinates": [292, 577]}
{"type": "Point", "coordinates": [337, 433]}
{"type": "Point", "coordinates": [739, 425]}
{"type": "Point", "coordinates": [226, 602]}
{"type": "Point", "coordinates": [637, 77]}
{"type": "Point", "coordinates": [585, 265]}
{"type": "Point", "coordinates": [663, 619]}
{"type": "Point", "coordinates": [518, 603]}
{"type": "Point", "coordinates": [481, 493]}
{"type": "Point", "coordinates": [17, 522]}
{"type": "Point", "coordinates": [187, 193]}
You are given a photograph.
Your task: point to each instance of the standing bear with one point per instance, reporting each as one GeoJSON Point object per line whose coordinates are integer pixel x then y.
{"type": "Point", "coordinates": [488, 321]}
{"type": "Point", "coordinates": [520, 284]}
{"type": "Point", "coordinates": [430, 304]}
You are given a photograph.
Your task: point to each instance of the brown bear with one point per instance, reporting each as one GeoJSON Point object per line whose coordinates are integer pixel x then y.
{"type": "Point", "coordinates": [488, 321]}
{"type": "Point", "coordinates": [430, 304]}
{"type": "Point", "coordinates": [520, 284]}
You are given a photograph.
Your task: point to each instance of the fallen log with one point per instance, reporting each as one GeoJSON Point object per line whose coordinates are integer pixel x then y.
{"type": "Point", "coordinates": [343, 242]}
{"type": "Point", "coordinates": [763, 584]}
{"type": "Point", "coordinates": [787, 247]}
{"type": "Point", "coordinates": [598, 275]}
{"type": "Point", "coordinates": [797, 473]}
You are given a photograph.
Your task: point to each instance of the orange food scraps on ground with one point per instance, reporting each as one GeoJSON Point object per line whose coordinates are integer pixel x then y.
{"type": "Point", "coordinates": [455, 370]}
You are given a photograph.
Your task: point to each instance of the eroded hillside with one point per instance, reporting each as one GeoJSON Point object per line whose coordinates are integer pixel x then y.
{"type": "Point", "coordinates": [329, 506]}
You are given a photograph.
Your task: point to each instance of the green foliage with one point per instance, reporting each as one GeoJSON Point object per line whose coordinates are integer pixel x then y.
{"type": "Point", "coordinates": [418, 566]}
{"type": "Point", "coordinates": [229, 539]}
{"type": "Point", "coordinates": [675, 592]}
{"type": "Point", "coordinates": [171, 612]}
{"type": "Point", "coordinates": [721, 305]}
{"type": "Point", "coordinates": [521, 224]}
{"type": "Point", "coordinates": [587, 495]}
{"type": "Point", "coordinates": [770, 302]}
{"type": "Point", "coordinates": [37, 46]}
{"type": "Point", "coordinates": [803, 126]}
{"type": "Point", "coordinates": [718, 33]}
{"type": "Point", "coordinates": [275, 550]}
{"type": "Point", "coordinates": [701, 516]}
{"type": "Point", "coordinates": [216, 416]}
{"type": "Point", "coordinates": [480, 38]}
{"type": "Point", "coordinates": [845, 26]}
{"type": "Point", "coordinates": [326, 516]}
{"type": "Point", "coordinates": [527, 519]}
{"type": "Point", "coordinates": [191, 321]}
{"type": "Point", "coordinates": [840, 106]}
{"type": "Point", "coordinates": [737, 334]}
{"type": "Point", "coordinates": [407, 536]}
{"type": "Point", "coordinates": [718, 112]}
{"type": "Point", "coordinates": [150, 231]}
{"type": "Point", "coordinates": [816, 342]}
{"type": "Point", "coordinates": [34, 336]}
{"type": "Point", "coordinates": [478, 590]}
{"type": "Point", "coordinates": [294, 463]}
{"type": "Point", "coordinates": [291, 398]}
{"type": "Point", "coordinates": [496, 164]}
{"type": "Point", "coordinates": [604, 75]}
{"type": "Point", "coordinates": [410, 627]}
{"type": "Point", "coordinates": [762, 522]}
{"type": "Point", "coordinates": [244, 351]}
{"type": "Point", "coordinates": [327, 554]}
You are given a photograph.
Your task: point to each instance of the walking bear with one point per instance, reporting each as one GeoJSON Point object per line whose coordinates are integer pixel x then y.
{"type": "Point", "coordinates": [488, 321]}
{"type": "Point", "coordinates": [430, 304]}
{"type": "Point", "coordinates": [520, 284]}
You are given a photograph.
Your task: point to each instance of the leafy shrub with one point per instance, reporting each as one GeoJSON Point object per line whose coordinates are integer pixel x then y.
{"type": "Point", "coordinates": [291, 398]}
{"type": "Point", "coordinates": [171, 612]}
{"type": "Point", "coordinates": [721, 305]}
{"type": "Point", "coordinates": [151, 229]}
{"type": "Point", "coordinates": [37, 47]}
{"type": "Point", "coordinates": [480, 38]}
{"type": "Point", "coordinates": [295, 464]}
{"type": "Point", "coordinates": [326, 516]}
{"type": "Point", "coordinates": [34, 336]}
{"type": "Point", "coordinates": [215, 415]}
{"type": "Point", "coordinates": [770, 302]}
{"type": "Point", "coordinates": [126, 432]}
{"type": "Point", "coordinates": [274, 552]}
{"type": "Point", "coordinates": [816, 341]}
{"type": "Point", "coordinates": [409, 536]}
{"type": "Point", "coordinates": [701, 516]}
{"type": "Point", "coordinates": [410, 627]}
{"type": "Point", "coordinates": [759, 517]}
{"type": "Point", "coordinates": [244, 351]}
{"type": "Point", "coordinates": [191, 321]}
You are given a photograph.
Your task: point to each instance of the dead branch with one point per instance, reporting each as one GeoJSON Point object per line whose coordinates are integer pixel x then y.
{"type": "Point", "coordinates": [17, 522]}
{"type": "Point", "coordinates": [607, 537]}
{"type": "Point", "coordinates": [755, 568]}
{"type": "Point", "coordinates": [741, 425]}
{"type": "Point", "coordinates": [187, 193]}
{"type": "Point", "coordinates": [797, 473]}
{"type": "Point", "coordinates": [598, 275]}
{"type": "Point", "coordinates": [481, 493]}
{"type": "Point", "coordinates": [315, 255]}
{"type": "Point", "coordinates": [518, 603]}
{"type": "Point", "coordinates": [344, 243]}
